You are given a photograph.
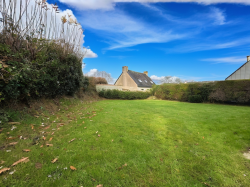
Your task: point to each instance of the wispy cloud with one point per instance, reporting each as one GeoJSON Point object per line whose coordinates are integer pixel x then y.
{"type": "Point", "coordinates": [122, 30]}
{"type": "Point", "coordinates": [227, 60]}
{"type": "Point", "coordinates": [110, 4]}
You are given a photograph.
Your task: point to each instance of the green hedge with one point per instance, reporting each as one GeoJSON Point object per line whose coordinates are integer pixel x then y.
{"type": "Point", "coordinates": [237, 91]}
{"type": "Point", "coordinates": [47, 73]}
{"type": "Point", "coordinates": [127, 95]}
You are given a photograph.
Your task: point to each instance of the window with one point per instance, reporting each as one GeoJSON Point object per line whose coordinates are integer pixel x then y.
{"type": "Point", "coordinates": [151, 82]}
{"type": "Point", "coordinates": [139, 80]}
{"type": "Point", "coordinates": [146, 81]}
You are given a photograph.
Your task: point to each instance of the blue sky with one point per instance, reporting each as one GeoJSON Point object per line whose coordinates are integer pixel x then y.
{"type": "Point", "coordinates": [196, 40]}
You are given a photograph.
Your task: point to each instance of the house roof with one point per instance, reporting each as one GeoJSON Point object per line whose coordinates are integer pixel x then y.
{"type": "Point", "coordinates": [237, 69]}
{"type": "Point", "coordinates": [141, 79]}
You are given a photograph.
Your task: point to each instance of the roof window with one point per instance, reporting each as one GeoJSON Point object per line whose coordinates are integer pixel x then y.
{"type": "Point", "coordinates": [139, 80]}
{"type": "Point", "coordinates": [151, 82]}
{"type": "Point", "coordinates": [146, 81]}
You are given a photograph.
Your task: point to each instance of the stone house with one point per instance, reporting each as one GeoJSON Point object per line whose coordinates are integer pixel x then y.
{"type": "Point", "coordinates": [242, 72]}
{"type": "Point", "coordinates": [134, 81]}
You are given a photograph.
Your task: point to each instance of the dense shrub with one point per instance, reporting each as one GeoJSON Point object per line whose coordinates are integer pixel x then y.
{"type": "Point", "coordinates": [127, 95]}
{"type": "Point", "coordinates": [237, 91]}
{"type": "Point", "coordinates": [93, 81]}
{"type": "Point", "coordinates": [47, 73]}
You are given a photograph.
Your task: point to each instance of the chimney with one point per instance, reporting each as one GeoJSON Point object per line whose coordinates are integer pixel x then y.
{"type": "Point", "coordinates": [248, 58]}
{"type": "Point", "coordinates": [146, 73]}
{"type": "Point", "coordinates": [124, 68]}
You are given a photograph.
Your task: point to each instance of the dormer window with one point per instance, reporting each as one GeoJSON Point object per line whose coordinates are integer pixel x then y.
{"type": "Point", "coordinates": [139, 80]}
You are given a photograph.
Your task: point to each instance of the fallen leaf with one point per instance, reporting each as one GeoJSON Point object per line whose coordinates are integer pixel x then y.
{"type": "Point", "coordinates": [36, 116]}
{"type": "Point", "coordinates": [41, 146]}
{"type": "Point", "coordinates": [125, 165]}
{"type": "Point", "coordinates": [71, 140]}
{"type": "Point", "coordinates": [50, 138]}
{"type": "Point", "coordinates": [47, 127]}
{"type": "Point", "coordinates": [53, 161]}
{"type": "Point", "coordinates": [14, 123]}
{"type": "Point", "coordinates": [44, 138]}
{"type": "Point", "coordinates": [85, 127]}
{"type": "Point", "coordinates": [13, 143]}
{"type": "Point", "coordinates": [206, 184]}
{"type": "Point", "coordinates": [52, 133]}
{"type": "Point", "coordinates": [32, 126]}
{"type": "Point", "coordinates": [49, 145]}
{"type": "Point", "coordinates": [2, 162]}
{"type": "Point", "coordinates": [203, 137]}
{"type": "Point", "coordinates": [11, 138]}
{"type": "Point", "coordinates": [83, 122]}
{"type": "Point", "coordinates": [11, 173]}
{"type": "Point", "coordinates": [4, 169]}
{"type": "Point", "coordinates": [26, 150]}
{"type": "Point", "coordinates": [19, 161]}
{"type": "Point", "coordinates": [99, 135]}
{"type": "Point", "coordinates": [38, 165]}
{"type": "Point", "coordinates": [99, 185]}
{"type": "Point", "coordinates": [72, 168]}
{"type": "Point", "coordinates": [112, 140]}
{"type": "Point", "coordinates": [1, 130]}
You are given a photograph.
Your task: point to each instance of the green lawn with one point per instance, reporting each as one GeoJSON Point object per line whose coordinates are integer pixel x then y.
{"type": "Point", "coordinates": [140, 143]}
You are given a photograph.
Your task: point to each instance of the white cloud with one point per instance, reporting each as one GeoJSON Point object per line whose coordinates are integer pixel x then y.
{"type": "Point", "coordinates": [122, 30]}
{"type": "Point", "coordinates": [228, 60]}
{"type": "Point", "coordinates": [89, 53]}
{"type": "Point", "coordinates": [91, 73]}
{"type": "Point", "coordinates": [156, 78]}
{"type": "Point", "coordinates": [109, 4]}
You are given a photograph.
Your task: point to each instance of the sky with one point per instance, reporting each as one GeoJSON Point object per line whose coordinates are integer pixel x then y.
{"type": "Point", "coordinates": [199, 40]}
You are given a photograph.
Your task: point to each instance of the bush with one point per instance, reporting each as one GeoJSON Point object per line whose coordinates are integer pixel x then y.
{"type": "Point", "coordinates": [47, 73]}
{"type": "Point", "coordinates": [126, 95]}
{"type": "Point", "coordinates": [237, 91]}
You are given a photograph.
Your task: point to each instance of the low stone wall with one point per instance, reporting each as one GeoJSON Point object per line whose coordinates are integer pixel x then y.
{"type": "Point", "coordinates": [100, 87]}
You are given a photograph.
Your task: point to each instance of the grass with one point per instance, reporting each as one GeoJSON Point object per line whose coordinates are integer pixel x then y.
{"type": "Point", "coordinates": [141, 143]}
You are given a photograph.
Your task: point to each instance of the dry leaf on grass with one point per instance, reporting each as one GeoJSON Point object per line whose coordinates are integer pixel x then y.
{"type": "Point", "coordinates": [47, 127]}
{"type": "Point", "coordinates": [21, 160]}
{"type": "Point", "coordinates": [41, 146]}
{"type": "Point", "coordinates": [71, 140]}
{"type": "Point", "coordinates": [13, 143]}
{"type": "Point", "coordinates": [72, 168]}
{"type": "Point", "coordinates": [11, 138]}
{"type": "Point", "coordinates": [32, 126]}
{"type": "Point", "coordinates": [52, 133]}
{"type": "Point", "coordinates": [38, 165]}
{"type": "Point", "coordinates": [14, 123]}
{"type": "Point", "coordinates": [50, 138]}
{"type": "Point", "coordinates": [99, 185]}
{"type": "Point", "coordinates": [26, 150]}
{"type": "Point", "coordinates": [83, 122]}
{"type": "Point", "coordinates": [2, 161]}
{"type": "Point", "coordinates": [53, 161]}
{"type": "Point", "coordinates": [85, 127]}
{"type": "Point", "coordinates": [99, 135]}
{"type": "Point", "coordinates": [1, 130]}
{"type": "Point", "coordinates": [44, 138]}
{"type": "Point", "coordinates": [4, 169]}
{"type": "Point", "coordinates": [49, 145]}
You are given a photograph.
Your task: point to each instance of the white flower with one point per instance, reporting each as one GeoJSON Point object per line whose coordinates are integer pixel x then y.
{"type": "Point", "coordinates": [8, 151]}
{"type": "Point", "coordinates": [65, 168]}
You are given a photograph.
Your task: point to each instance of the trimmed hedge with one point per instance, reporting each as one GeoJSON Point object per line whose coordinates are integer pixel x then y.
{"type": "Point", "coordinates": [237, 91]}
{"type": "Point", "coordinates": [126, 95]}
{"type": "Point", "coordinates": [47, 73]}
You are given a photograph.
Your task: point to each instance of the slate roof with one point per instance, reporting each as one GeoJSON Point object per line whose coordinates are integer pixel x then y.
{"type": "Point", "coordinates": [141, 79]}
